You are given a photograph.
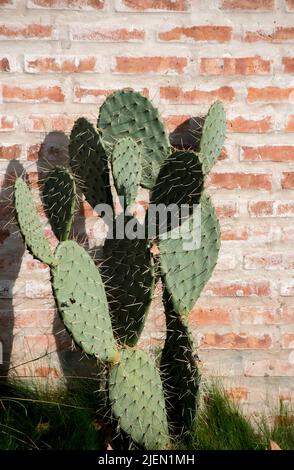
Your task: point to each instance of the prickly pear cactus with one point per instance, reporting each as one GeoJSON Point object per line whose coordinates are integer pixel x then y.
{"type": "Point", "coordinates": [137, 399]}
{"type": "Point", "coordinates": [128, 113]}
{"type": "Point", "coordinates": [213, 136]}
{"type": "Point", "coordinates": [82, 302]}
{"type": "Point", "coordinates": [88, 162]}
{"type": "Point", "coordinates": [127, 168]}
{"type": "Point", "coordinates": [29, 223]}
{"type": "Point", "coordinates": [185, 266]}
{"type": "Point", "coordinates": [59, 196]}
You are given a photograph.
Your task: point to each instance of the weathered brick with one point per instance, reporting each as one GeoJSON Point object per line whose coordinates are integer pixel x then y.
{"type": "Point", "coordinates": [266, 316]}
{"type": "Point", "coordinates": [287, 288]}
{"type": "Point", "coordinates": [253, 126]}
{"type": "Point", "coordinates": [158, 65]}
{"type": "Point", "coordinates": [238, 393]}
{"type": "Point", "coordinates": [235, 66]}
{"type": "Point", "coordinates": [228, 288]}
{"type": "Point", "coordinates": [10, 152]}
{"type": "Point", "coordinates": [91, 94]}
{"type": "Point", "coordinates": [288, 64]}
{"type": "Point", "coordinates": [67, 4]}
{"type": "Point", "coordinates": [271, 208]}
{"type": "Point", "coordinates": [288, 341]}
{"type": "Point", "coordinates": [290, 123]}
{"type": "Point", "coordinates": [172, 122]}
{"type": "Point", "coordinates": [226, 209]}
{"type": "Point", "coordinates": [210, 316]}
{"type": "Point", "coordinates": [62, 64]}
{"type": "Point", "coordinates": [32, 94]}
{"type": "Point", "coordinates": [248, 5]}
{"type": "Point", "coordinates": [153, 5]}
{"type": "Point", "coordinates": [240, 181]}
{"type": "Point", "coordinates": [97, 33]}
{"type": "Point", "coordinates": [19, 31]}
{"type": "Point", "coordinates": [176, 94]}
{"type": "Point", "coordinates": [235, 341]}
{"type": "Point", "coordinates": [45, 123]}
{"type": "Point", "coordinates": [7, 4]}
{"type": "Point", "coordinates": [272, 153]}
{"type": "Point", "coordinates": [269, 368]}
{"type": "Point", "coordinates": [290, 5]}
{"type": "Point", "coordinates": [280, 34]}
{"type": "Point", "coordinates": [287, 181]}
{"type": "Point", "coordinates": [204, 33]}
{"type": "Point", "coordinates": [270, 94]}
{"type": "Point", "coordinates": [268, 261]}
{"type": "Point", "coordinates": [7, 123]}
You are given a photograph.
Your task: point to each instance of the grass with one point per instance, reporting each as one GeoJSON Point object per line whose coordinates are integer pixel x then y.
{"type": "Point", "coordinates": [38, 418]}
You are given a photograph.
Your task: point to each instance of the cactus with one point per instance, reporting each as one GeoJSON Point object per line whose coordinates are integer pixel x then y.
{"type": "Point", "coordinates": [185, 267]}
{"type": "Point", "coordinates": [59, 196]}
{"type": "Point", "coordinates": [106, 313]}
{"type": "Point", "coordinates": [127, 168]}
{"type": "Point", "coordinates": [88, 161]}
{"type": "Point", "coordinates": [180, 374]}
{"type": "Point", "coordinates": [137, 398]}
{"type": "Point", "coordinates": [29, 223]}
{"type": "Point", "coordinates": [127, 113]}
{"type": "Point", "coordinates": [81, 301]}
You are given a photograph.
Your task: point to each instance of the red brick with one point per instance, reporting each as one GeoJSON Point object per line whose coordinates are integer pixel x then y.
{"type": "Point", "coordinates": [235, 66]}
{"type": "Point", "coordinates": [238, 393]}
{"type": "Point", "coordinates": [234, 233]}
{"type": "Point", "coordinates": [270, 94]}
{"type": "Point", "coordinates": [175, 94]}
{"type": "Point", "coordinates": [205, 33]}
{"type": "Point", "coordinates": [238, 288]}
{"type": "Point", "coordinates": [270, 153]}
{"type": "Point", "coordinates": [45, 123]}
{"type": "Point", "coordinates": [99, 34]}
{"type": "Point", "coordinates": [156, 5]}
{"type": "Point", "coordinates": [290, 5]}
{"type": "Point", "coordinates": [172, 122]}
{"type": "Point", "coordinates": [266, 261]}
{"type": "Point", "coordinates": [7, 3]}
{"type": "Point", "coordinates": [288, 341]}
{"type": "Point", "coordinates": [138, 65]}
{"type": "Point", "coordinates": [240, 181]}
{"type": "Point", "coordinates": [10, 152]}
{"type": "Point", "coordinates": [5, 65]}
{"type": "Point", "coordinates": [37, 94]}
{"type": "Point", "coordinates": [253, 126]}
{"type": "Point", "coordinates": [226, 209]}
{"type": "Point", "coordinates": [290, 124]}
{"type": "Point", "coordinates": [287, 181]}
{"type": "Point", "coordinates": [271, 209]}
{"type": "Point", "coordinates": [235, 341]}
{"type": "Point", "coordinates": [90, 94]}
{"type": "Point", "coordinates": [67, 4]}
{"type": "Point", "coordinates": [210, 316]}
{"type": "Point", "coordinates": [256, 5]}
{"type": "Point", "coordinates": [288, 64]}
{"type": "Point", "coordinates": [15, 31]}
{"type": "Point", "coordinates": [60, 64]}
{"type": "Point", "coordinates": [7, 123]}
{"type": "Point", "coordinates": [279, 34]}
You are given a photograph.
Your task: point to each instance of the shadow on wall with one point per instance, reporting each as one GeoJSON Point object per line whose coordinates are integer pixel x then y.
{"type": "Point", "coordinates": [11, 254]}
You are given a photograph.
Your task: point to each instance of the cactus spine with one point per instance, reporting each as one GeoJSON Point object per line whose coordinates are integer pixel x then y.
{"type": "Point", "coordinates": [105, 313]}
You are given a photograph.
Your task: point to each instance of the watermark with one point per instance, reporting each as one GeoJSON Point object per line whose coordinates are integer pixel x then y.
{"type": "Point", "coordinates": [176, 222]}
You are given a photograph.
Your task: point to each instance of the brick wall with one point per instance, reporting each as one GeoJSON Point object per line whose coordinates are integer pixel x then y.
{"type": "Point", "coordinates": [60, 58]}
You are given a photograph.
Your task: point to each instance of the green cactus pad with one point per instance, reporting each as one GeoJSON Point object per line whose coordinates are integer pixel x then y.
{"type": "Point", "coordinates": [29, 223]}
{"type": "Point", "coordinates": [213, 136]}
{"type": "Point", "coordinates": [137, 399]}
{"type": "Point", "coordinates": [127, 168]}
{"type": "Point", "coordinates": [59, 196]}
{"type": "Point", "coordinates": [185, 267]}
{"type": "Point", "coordinates": [179, 371]}
{"type": "Point", "coordinates": [89, 163]}
{"type": "Point", "coordinates": [82, 302]}
{"type": "Point", "coordinates": [180, 182]}
{"type": "Point", "coordinates": [128, 113]}
{"type": "Point", "coordinates": [128, 276]}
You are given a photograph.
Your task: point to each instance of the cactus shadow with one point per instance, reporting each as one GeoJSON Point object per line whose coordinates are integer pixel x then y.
{"type": "Point", "coordinates": [73, 363]}
{"type": "Point", "coordinates": [11, 254]}
{"type": "Point", "coordinates": [187, 135]}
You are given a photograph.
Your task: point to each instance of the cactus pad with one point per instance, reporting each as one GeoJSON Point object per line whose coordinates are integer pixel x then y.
{"type": "Point", "coordinates": [29, 223]}
{"type": "Point", "coordinates": [179, 371]}
{"type": "Point", "coordinates": [127, 168]}
{"type": "Point", "coordinates": [128, 113]}
{"type": "Point", "coordinates": [213, 136]}
{"type": "Point", "coordinates": [81, 301]}
{"type": "Point", "coordinates": [59, 196]}
{"type": "Point", "coordinates": [180, 182]}
{"type": "Point", "coordinates": [89, 163]}
{"type": "Point", "coordinates": [186, 269]}
{"type": "Point", "coordinates": [128, 276]}
{"type": "Point", "coordinates": [137, 399]}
